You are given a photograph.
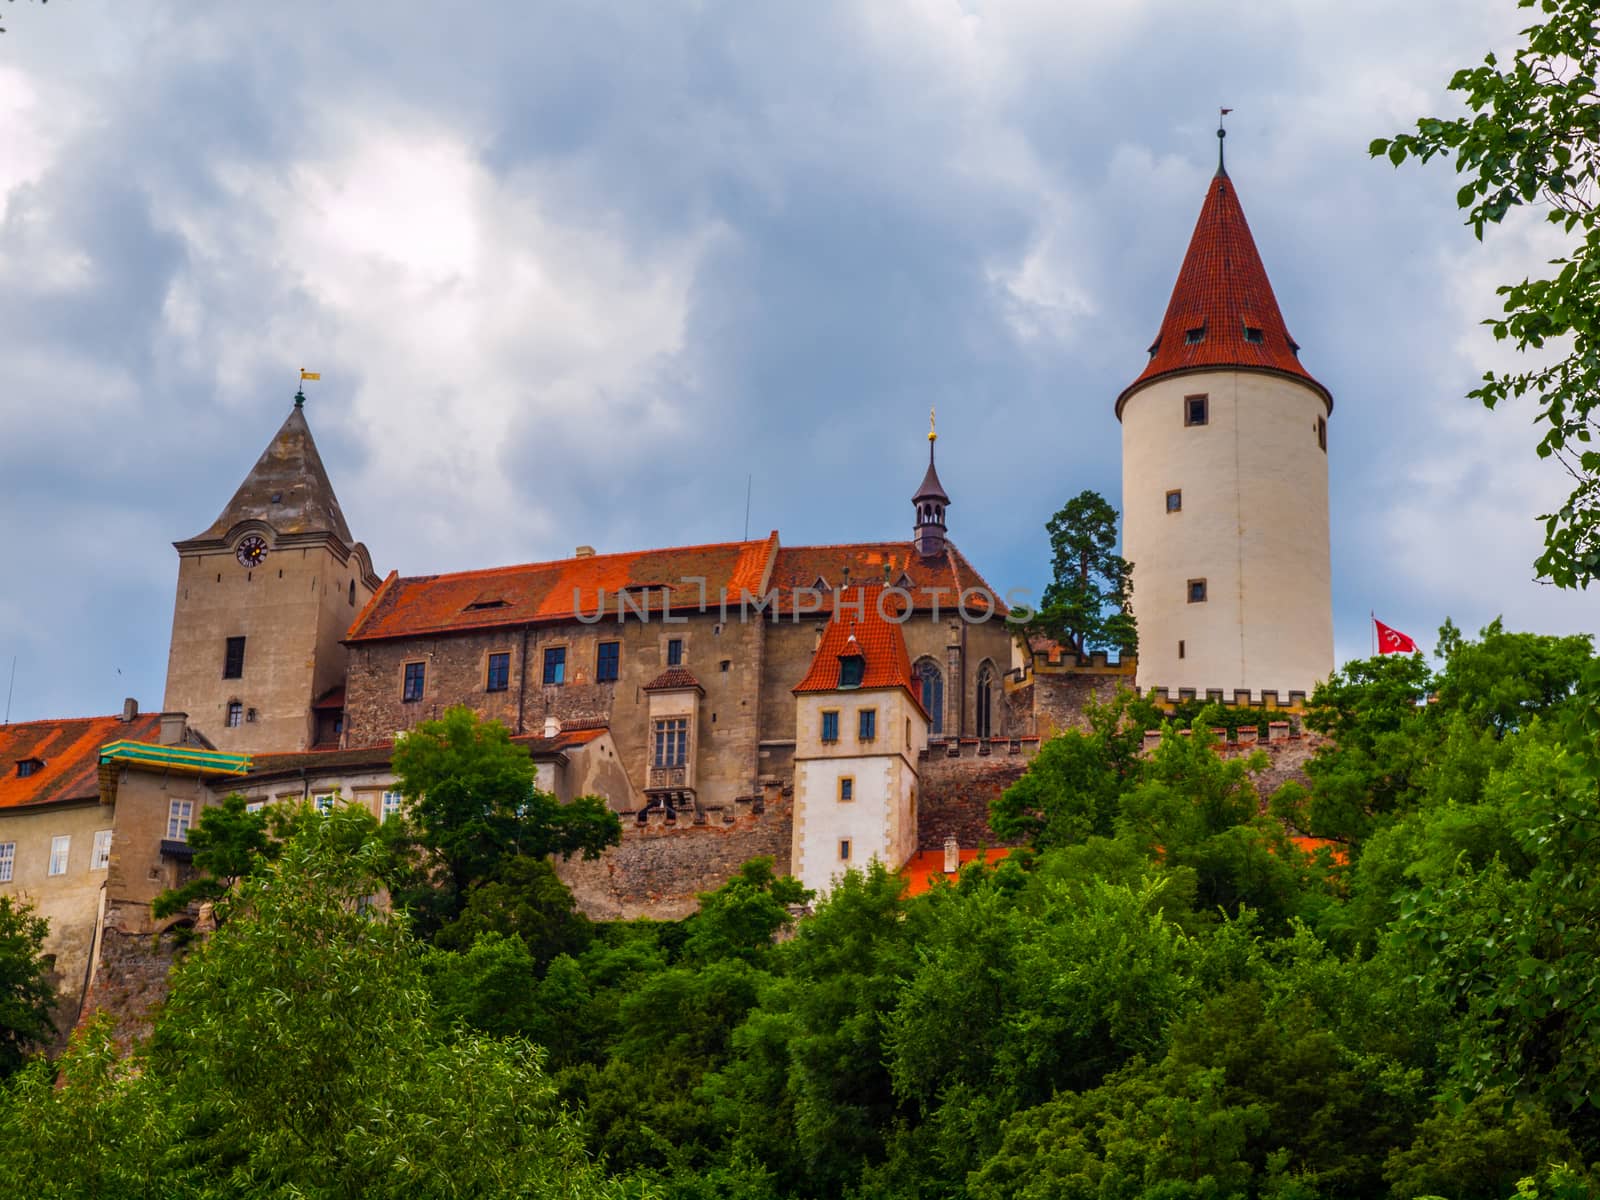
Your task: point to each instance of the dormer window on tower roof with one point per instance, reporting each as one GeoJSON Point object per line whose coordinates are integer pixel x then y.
{"type": "Point", "coordinates": [852, 666]}
{"type": "Point", "coordinates": [1193, 337]}
{"type": "Point", "coordinates": [1254, 335]}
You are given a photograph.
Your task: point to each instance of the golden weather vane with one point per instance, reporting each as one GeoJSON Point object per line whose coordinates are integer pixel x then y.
{"type": "Point", "coordinates": [933, 435]}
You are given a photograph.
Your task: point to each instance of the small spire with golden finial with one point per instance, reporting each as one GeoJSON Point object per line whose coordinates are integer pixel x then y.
{"type": "Point", "coordinates": [933, 434]}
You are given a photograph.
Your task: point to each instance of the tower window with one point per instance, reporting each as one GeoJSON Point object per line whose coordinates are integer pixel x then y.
{"type": "Point", "coordinates": [847, 789]}
{"type": "Point", "coordinates": [1175, 500]}
{"type": "Point", "coordinates": [1322, 434]}
{"type": "Point", "coordinates": [555, 666]}
{"type": "Point", "coordinates": [674, 652]}
{"type": "Point", "coordinates": [499, 673]}
{"type": "Point", "coordinates": [1252, 334]}
{"type": "Point", "coordinates": [1180, 648]}
{"type": "Point", "coordinates": [235, 714]}
{"type": "Point", "coordinates": [415, 677]}
{"type": "Point", "coordinates": [607, 662]}
{"type": "Point", "coordinates": [867, 725]}
{"type": "Point", "coordinates": [1197, 591]}
{"type": "Point", "coordinates": [851, 669]}
{"type": "Point", "coordinates": [1193, 337]}
{"type": "Point", "coordinates": [180, 816]}
{"type": "Point", "coordinates": [830, 726]}
{"type": "Point", "coordinates": [233, 659]}
{"type": "Point", "coordinates": [1196, 410]}
{"type": "Point", "coordinates": [844, 849]}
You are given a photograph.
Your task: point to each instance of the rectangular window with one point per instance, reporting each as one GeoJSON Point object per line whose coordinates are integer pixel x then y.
{"type": "Point", "coordinates": [1322, 434]}
{"type": "Point", "coordinates": [847, 789]}
{"type": "Point", "coordinates": [235, 714]}
{"type": "Point", "coordinates": [844, 849]}
{"type": "Point", "coordinates": [499, 673]}
{"type": "Point", "coordinates": [255, 806]}
{"type": "Point", "coordinates": [1197, 591]}
{"type": "Point", "coordinates": [867, 724]}
{"type": "Point", "coordinates": [674, 652]}
{"type": "Point", "coordinates": [100, 858]}
{"type": "Point", "coordinates": [1196, 410]}
{"type": "Point", "coordinates": [391, 805]}
{"type": "Point", "coordinates": [1180, 649]}
{"type": "Point", "coordinates": [672, 742]}
{"type": "Point", "coordinates": [324, 802]}
{"type": "Point", "coordinates": [1193, 337]}
{"type": "Point", "coordinates": [851, 669]}
{"type": "Point", "coordinates": [180, 815]}
{"type": "Point", "coordinates": [1253, 334]}
{"type": "Point", "coordinates": [607, 662]}
{"type": "Point", "coordinates": [1175, 500]}
{"type": "Point", "coordinates": [416, 678]}
{"type": "Point", "coordinates": [8, 860]}
{"type": "Point", "coordinates": [555, 665]}
{"type": "Point", "coordinates": [59, 849]}
{"type": "Point", "coordinates": [28, 766]}
{"type": "Point", "coordinates": [830, 726]}
{"type": "Point", "coordinates": [233, 659]}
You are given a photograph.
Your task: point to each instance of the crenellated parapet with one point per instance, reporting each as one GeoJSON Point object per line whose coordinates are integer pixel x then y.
{"type": "Point", "coordinates": [1270, 699]}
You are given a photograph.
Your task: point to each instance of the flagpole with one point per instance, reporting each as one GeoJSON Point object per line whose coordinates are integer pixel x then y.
{"type": "Point", "coordinates": [1372, 624]}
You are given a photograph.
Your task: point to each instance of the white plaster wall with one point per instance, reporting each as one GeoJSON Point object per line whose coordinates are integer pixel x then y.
{"type": "Point", "coordinates": [1254, 525]}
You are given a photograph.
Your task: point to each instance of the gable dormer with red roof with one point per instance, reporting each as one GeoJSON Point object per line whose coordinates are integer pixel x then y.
{"type": "Point", "coordinates": [1225, 479]}
{"type": "Point", "coordinates": [859, 727]}
{"type": "Point", "coordinates": [264, 595]}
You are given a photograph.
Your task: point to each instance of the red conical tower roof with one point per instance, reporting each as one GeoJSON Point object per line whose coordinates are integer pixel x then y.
{"type": "Point", "coordinates": [1222, 313]}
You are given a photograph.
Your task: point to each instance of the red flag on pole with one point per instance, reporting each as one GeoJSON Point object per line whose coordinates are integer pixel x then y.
{"type": "Point", "coordinates": [1392, 641]}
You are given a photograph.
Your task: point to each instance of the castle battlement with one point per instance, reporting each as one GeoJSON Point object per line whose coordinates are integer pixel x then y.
{"type": "Point", "coordinates": [1293, 702]}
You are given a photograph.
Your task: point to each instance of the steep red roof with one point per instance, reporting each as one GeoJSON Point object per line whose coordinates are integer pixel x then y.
{"type": "Point", "coordinates": [801, 567]}
{"type": "Point", "coordinates": [561, 590]}
{"type": "Point", "coordinates": [1222, 290]}
{"type": "Point", "coordinates": [70, 752]}
{"type": "Point", "coordinates": [867, 632]}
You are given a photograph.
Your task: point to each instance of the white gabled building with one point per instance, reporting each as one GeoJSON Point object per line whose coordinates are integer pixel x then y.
{"type": "Point", "coordinates": [859, 730]}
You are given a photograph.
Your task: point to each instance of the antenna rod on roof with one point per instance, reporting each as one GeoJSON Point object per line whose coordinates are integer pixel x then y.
{"type": "Point", "coordinates": [748, 480]}
{"type": "Point", "coordinates": [10, 687]}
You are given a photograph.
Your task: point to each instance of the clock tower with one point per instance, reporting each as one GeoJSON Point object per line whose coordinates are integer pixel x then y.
{"type": "Point", "coordinates": [265, 595]}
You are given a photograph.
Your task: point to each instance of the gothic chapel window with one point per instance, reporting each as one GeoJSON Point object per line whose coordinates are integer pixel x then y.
{"type": "Point", "coordinates": [985, 701]}
{"type": "Point", "coordinates": [931, 685]}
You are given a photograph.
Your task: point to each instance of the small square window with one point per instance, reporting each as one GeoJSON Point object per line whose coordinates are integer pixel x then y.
{"type": "Point", "coordinates": [674, 652]}
{"type": "Point", "coordinates": [60, 847]}
{"type": "Point", "coordinates": [1253, 335]}
{"type": "Point", "coordinates": [499, 673]}
{"type": "Point", "coordinates": [8, 860]}
{"type": "Point", "coordinates": [867, 724]}
{"type": "Point", "coordinates": [1197, 591]}
{"type": "Point", "coordinates": [1196, 410]}
{"type": "Point", "coordinates": [725, 664]}
{"type": "Point", "coordinates": [844, 849]}
{"type": "Point", "coordinates": [100, 856]}
{"type": "Point", "coordinates": [555, 666]}
{"type": "Point", "coordinates": [233, 659]}
{"type": "Point", "coordinates": [415, 679]}
{"type": "Point", "coordinates": [607, 662]}
{"type": "Point", "coordinates": [830, 726]}
{"type": "Point", "coordinates": [1175, 501]}
{"type": "Point", "coordinates": [847, 789]}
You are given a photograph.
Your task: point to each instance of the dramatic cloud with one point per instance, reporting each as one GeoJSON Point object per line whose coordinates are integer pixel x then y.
{"type": "Point", "coordinates": [579, 273]}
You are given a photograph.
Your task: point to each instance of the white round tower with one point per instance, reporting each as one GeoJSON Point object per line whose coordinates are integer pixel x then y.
{"type": "Point", "coordinates": [1225, 481]}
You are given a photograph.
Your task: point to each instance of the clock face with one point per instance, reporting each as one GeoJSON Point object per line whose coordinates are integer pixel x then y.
{"type": "Point", "coordinates": [252, 552]}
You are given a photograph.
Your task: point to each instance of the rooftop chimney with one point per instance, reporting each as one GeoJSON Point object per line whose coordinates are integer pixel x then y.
{"type": "Point", "coordinates": [130, 710]}
{"type": "Point", "coordinates": [552, 726]}
{"type": "Point", "coordinates": [952, 856]}
{"type": "Point", "coordinates": [174, 728]}
{"type": "Point", "coordinates": [583, 552]}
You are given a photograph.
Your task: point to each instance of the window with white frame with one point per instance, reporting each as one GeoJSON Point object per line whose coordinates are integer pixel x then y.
{"type": "Point", "coordinates": [180, 815]}
{"type": "Point", "coordinates": [60, 847]}
{"type": "Point", "coordinates": [8, 860]}
{"type": "Point", "coordinates": [391, 805]}
{"type": "Point", "coordinates": [324, 802]}
{"type": "Point", "coordinates": [100, 858]}
{"type": "Point", "coordinates": [255, 806]}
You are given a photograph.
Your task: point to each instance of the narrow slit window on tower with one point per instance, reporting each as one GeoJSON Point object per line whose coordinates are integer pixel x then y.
{"type": "Point", "coordinates": [1180, 648]}
{"type": "Point", "coordinates": [1252, 334]}
{"type": "Point", "coordinates": [1197, 591]}
{"type": "Point", "coordinates": [1322, 434]}
{"type": "Point", "coordinates": [1193, 337]}
{"type": "Point", "coordinates": [1175, 500]}
{"type": "Point", "coordinates": [1196, 410]}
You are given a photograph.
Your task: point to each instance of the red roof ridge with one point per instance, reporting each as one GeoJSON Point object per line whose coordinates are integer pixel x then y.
{"type": "Point", "coordinates": [478, 572]}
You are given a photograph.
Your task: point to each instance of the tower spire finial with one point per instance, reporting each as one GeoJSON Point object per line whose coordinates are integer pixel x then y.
{"type": "Point", "coordinates": [1221, 134]}
{"type": "Point", "coordinates": [933, 433]}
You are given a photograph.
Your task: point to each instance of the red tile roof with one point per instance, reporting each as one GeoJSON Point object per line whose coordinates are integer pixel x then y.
{"type": "Point", "coordinates": [867, 632]}
{"type": "Point", "coordinates": [332, 699]}
{"type": "Point", "coordinates": [672, 677]}
{"type": "Point", "coordinates": [561, 590]}
{"type": "Point", "coordinates": [948, 571]}
{"type": "Point", "coordinates": [379, 755]}
{"type": "Point", "coordinates": [927, 865]}
{"type": "Point", "coordinates": [1222, 288]}
{"type": "Point", "coordinates": [70, 751]}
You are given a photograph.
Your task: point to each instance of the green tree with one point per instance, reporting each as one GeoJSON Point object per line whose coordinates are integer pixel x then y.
{"type": "Point", "coordinates": [229, 843]}
{"type": "Point", "coordinates": [1085, 605]}
{"type": "Point", "coordinates": [26, 994]}
{"type": "Point", "coordinates": [1533, 138]}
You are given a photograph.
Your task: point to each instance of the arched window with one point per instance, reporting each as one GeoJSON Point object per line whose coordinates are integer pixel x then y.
{"type": "Point", "coordinates": [352, 593]}
{"type": "Point", "coordinates": [931, 684]}
{"type": "Point", "coordinates": [985, 701]}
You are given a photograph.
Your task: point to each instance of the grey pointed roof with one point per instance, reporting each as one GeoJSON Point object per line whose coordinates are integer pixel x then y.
{"type": "Point", "coordinates": [288, 488]}
{"type": "Point", "coordinates": [931, 488]}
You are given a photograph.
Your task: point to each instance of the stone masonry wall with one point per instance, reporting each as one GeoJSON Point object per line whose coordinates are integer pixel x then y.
{"type": "Point", "coordinates": [661, 866]}
{"type": "Point", "coordinates": [130, 982]}
{"type": "Point", "coordinates": [959, 779]}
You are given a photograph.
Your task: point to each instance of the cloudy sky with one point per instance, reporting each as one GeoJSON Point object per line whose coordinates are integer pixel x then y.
{"type": "Point", "coordinates": [573, 271]}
